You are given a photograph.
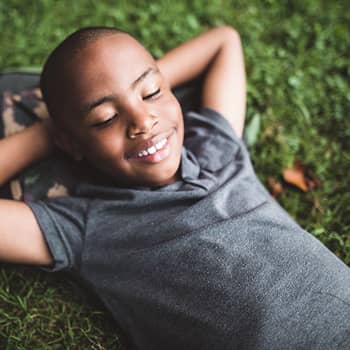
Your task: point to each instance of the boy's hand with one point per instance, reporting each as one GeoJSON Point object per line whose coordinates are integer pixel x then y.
{"type": "Point", "coordinates": [218, 54]}
{"type": "Point", "coordinates": [21, 239]}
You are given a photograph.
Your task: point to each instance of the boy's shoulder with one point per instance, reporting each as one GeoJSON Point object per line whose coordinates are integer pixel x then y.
{"type": "Point", "coordinates": [211, 138]}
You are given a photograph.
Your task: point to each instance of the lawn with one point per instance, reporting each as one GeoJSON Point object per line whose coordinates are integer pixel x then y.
{"type": "Point", "coordinates": [298, 108]}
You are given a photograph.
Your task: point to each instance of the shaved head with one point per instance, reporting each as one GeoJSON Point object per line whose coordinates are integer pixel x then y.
{"type": "Point", "coordinates": [53, 80]}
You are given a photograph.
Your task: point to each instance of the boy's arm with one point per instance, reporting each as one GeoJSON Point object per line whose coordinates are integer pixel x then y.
{"type": "Point", "coordinates": [21, 239]}
{"type": "Point", "coordinates": [24, 148]}
{"type": "Point", "coordinates": [217, 53]}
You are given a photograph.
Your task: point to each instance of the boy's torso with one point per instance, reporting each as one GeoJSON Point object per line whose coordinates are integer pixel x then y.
{"type": "Point", "coordinates": [208, 262]}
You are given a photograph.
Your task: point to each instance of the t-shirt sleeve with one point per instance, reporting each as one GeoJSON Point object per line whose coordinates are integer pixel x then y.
{"type": "Point", "coordinates": [62, 222]}
{"type": "Point", "coordinates": [210, 136]}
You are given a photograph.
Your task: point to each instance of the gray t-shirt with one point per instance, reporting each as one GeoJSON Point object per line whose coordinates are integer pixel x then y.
{"type": "Point", "coordinates": [208, 262]}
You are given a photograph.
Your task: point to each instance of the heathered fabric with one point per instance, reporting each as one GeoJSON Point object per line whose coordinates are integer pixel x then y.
{"type": "Point", "coordinates": [208, 262]}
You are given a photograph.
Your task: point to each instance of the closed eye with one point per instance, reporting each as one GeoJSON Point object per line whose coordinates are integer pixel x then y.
{"type": "Point", "coordinates": [105, 122]}
{"type": "Point", "coordinates": [152, 94]}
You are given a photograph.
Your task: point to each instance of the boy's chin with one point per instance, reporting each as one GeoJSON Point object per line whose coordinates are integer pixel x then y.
{"type": "Point", "coordinates": [146, 181]}
{"type": "Point", "coordinates": [157, 181]}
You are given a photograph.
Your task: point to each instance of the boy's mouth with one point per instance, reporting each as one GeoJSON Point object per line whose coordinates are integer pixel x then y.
{"type": "Point", "coordinates": [154, 150]}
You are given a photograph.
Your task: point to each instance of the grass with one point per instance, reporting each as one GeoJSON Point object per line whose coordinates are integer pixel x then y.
{"type": "Point", "coordinates": [298, 69]}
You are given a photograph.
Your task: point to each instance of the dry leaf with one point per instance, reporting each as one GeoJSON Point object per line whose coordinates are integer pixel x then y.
{"type": "Point", "coordinates": [297, 176]}
{"type": "Point", "coordinates": [275, 186]}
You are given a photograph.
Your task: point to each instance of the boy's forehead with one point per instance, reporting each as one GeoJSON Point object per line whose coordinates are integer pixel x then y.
{"type": "Point", "coordinates": [110, 63]}
{"type": "Point", "coordinates": [119, 48]}
{"type": "Point", "coordinates": [118, 55]}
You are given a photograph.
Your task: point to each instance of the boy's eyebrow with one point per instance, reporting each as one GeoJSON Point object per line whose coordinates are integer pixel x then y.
{"type": "Point", "coordinates": [143, 76]}
{"type": "Point", "coordinates": [110, 98]}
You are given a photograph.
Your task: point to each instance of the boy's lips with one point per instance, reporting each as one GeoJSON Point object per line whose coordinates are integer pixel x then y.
{"type": "Point", "coordinates": [157, 156]}
{"type": "Point", "coordinates": [150, 144]}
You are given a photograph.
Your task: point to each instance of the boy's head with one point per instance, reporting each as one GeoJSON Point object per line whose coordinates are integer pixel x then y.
{"type": "Point", "coordinates": [112, 106]}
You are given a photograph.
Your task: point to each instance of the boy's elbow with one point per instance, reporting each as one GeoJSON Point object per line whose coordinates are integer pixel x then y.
{"type": "Point", "coordinates": [229, 32]}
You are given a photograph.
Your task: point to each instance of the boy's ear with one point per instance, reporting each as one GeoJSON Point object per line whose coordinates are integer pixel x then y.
{"type": "Point", "coordinates": [65, 142]}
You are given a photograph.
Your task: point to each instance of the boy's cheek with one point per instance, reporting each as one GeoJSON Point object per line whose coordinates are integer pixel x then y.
{"type": "Point", "coordinates": [171, 108]}
{"type": "Point", "coordinates": [106, 147]}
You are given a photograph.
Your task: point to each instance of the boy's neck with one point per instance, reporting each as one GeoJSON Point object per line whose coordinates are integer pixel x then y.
{"type": "Point", "coordinates": [97, 177]}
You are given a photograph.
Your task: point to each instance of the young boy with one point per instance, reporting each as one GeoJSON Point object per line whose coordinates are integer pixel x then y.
{"type": "Point", "coordinates": [179, 239]}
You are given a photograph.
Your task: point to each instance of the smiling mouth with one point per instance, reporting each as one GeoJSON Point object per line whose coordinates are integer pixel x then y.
{"type": "Point", "coordinates": [154, 153]}
{"type": "Point", "coordinates": [153, 149]}
{"type": "Point", "coordinates": [151, 146]}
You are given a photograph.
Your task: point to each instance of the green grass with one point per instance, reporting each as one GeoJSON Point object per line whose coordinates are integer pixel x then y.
{"type": "Point", "coordinates": [298, 69]}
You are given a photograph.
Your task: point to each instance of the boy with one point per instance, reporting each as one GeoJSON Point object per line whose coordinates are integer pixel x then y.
{"type": "Point", "coordinates": [177, 237]}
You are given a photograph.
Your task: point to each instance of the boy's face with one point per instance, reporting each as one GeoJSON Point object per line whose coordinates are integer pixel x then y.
{"type": "Point", "coordinates": [122, 114]}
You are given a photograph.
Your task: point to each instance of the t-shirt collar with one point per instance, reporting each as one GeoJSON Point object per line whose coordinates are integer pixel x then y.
{"type": "Point", "coordinates": [190, 168]}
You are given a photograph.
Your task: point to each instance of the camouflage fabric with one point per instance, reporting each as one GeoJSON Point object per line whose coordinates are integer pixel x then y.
{"type": "Point", "coordinates": [22, 105]}
{"type": "Point", "coordinates": [51, 177]}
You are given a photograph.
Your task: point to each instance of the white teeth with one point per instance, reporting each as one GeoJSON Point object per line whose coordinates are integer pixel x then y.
{"type": "Point", "coordinates": [142, 154]}
{"type": "Point", "coordinates": [152, 149]}
{"type": "Point", "coordinates": [161, 144]}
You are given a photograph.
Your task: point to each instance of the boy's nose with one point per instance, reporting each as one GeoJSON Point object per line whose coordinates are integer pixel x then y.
{"type": "Point", "coordinates": [141, 122]}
